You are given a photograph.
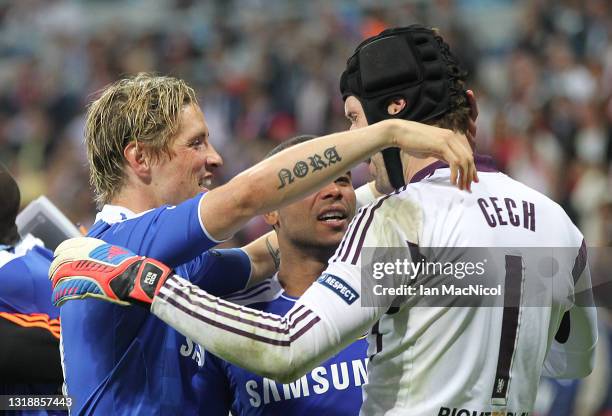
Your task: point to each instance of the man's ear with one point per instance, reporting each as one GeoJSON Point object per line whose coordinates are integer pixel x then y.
{"type": "Point", "coordinates": [138, 160]}
{"type": "Point", "coordinates": [272, 218]}
{"type": "Point", "coordinates": [396, 105]}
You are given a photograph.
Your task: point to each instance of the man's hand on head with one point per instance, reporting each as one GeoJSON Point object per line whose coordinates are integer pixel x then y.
{"type": "Point", "coordinates": [424, 140]}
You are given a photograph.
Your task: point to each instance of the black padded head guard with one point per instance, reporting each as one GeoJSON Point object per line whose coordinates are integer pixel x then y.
{"type": "Point", "coordinates": [412, 63]}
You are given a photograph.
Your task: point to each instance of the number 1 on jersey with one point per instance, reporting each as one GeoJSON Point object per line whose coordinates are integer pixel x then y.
{"type": "Point", "coordinates": [513, 288]}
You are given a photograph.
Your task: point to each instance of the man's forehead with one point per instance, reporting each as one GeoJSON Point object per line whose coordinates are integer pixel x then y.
{"type": "Point", "coordinates": [192, 117]}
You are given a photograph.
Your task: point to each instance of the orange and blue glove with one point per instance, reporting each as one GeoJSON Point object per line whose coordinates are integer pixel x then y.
{"type": "Point", "coordinates": [86, 267]}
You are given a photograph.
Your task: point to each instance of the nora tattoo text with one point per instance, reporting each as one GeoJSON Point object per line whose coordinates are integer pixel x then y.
{"type": "Point", "coordinates": [312, 164]}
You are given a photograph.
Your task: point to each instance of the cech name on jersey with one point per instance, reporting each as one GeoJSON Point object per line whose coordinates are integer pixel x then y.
{"type": "Point", "coordinates": [508, 213]}
{"type": "Point", "coordinates": [320, 380]}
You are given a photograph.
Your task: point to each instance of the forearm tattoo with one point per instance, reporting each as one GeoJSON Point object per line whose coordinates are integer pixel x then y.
{"type": "Point", "coordinates": [275, 253]}
{"type": "Point", "coordinates": [314, 163]}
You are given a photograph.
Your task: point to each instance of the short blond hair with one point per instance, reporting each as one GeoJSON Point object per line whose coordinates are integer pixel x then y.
{"type": "Point", "coordinates": [144, 109]}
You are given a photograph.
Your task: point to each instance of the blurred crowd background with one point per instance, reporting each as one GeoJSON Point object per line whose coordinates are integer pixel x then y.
{"type": "Point", "coordinates": [268, 70]}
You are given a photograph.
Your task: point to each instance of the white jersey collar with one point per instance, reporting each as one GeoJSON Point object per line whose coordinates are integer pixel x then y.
{"type": "Point", "coordinates": [27, 243]}
{"type": "Point", "coordinates": [111, 214]}
{"type": "Point", "coordinates": [483, 163]}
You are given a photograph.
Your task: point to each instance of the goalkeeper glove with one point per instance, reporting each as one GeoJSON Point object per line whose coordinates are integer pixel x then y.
{"type": "Point", "coordinates": [86, 267]}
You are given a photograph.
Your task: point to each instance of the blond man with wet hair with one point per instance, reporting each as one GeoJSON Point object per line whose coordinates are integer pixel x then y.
{"type": "Point", "coordinates": [135, 115]}
{"type": "Point", "coordinates": [150, 161]}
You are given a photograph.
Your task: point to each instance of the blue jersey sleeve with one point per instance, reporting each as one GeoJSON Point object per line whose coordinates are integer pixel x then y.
{"type": "Point", "coordinates": [175, 236]}
{"type": "Point", "coordinates": [172, 234]}
{"type": "Point", "coordinates": [220, 272]}
{"type": "Point", "coordinates": [25, 287]}
{"type": "Point", "coordinates": [212, 385]}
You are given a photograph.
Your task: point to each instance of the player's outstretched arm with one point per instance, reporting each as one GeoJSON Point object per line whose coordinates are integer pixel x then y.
{"type": "Point", "coordinates": [281, 348]}
{"type": "Point", "coordinates": [304, 168]}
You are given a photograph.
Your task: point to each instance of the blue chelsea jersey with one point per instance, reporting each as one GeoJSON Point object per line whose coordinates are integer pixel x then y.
{"type": "Point", "coordinates": [24, 285]}
{"type": "Point", "coordinates": [333, 388]}
{"type": "Point", "coordinates": [25, 298]}
{"type": "Point", "coordinates": [123, 360]}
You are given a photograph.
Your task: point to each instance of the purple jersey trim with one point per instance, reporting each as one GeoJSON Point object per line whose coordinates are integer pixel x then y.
{"type": "Point", "coordinates": [483, 163]}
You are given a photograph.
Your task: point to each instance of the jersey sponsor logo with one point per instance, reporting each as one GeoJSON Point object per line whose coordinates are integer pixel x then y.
{"type": "Point", "coordinates": [192, 350]}
{"type": "Point", "coordinates": [321, 380]}
{"type": "Point", "coordinates": [339, 287]}
{"type": "Point", "coordinates": [454, 411]}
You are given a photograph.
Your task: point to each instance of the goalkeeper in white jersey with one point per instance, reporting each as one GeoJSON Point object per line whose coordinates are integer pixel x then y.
{"type": "Point", "coordinates": [441, 356]}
